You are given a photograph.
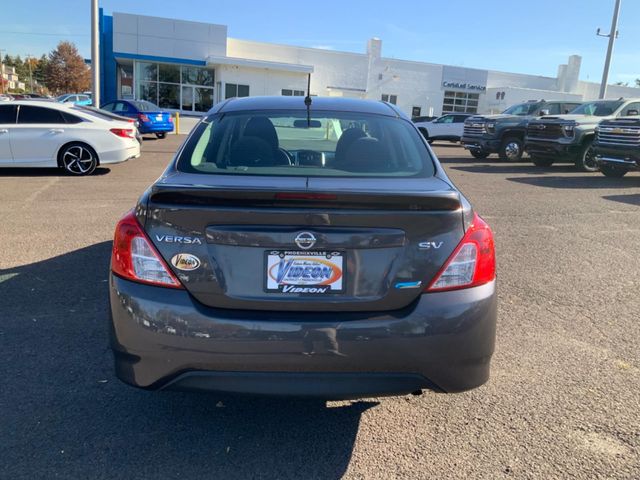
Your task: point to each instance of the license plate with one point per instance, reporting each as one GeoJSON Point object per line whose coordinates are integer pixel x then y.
{"type": "Point", "coordinates": [159, 118]}
{"type": "Point", "coordinates": [315, 273]}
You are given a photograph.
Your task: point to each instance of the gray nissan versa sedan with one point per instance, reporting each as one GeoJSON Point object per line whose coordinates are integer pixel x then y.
{"type": "Point", "coordinates": [308, 247]}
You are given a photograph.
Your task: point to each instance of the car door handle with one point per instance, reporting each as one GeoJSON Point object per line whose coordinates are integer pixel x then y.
{"type": "Point", "coordinates": [4, 130]}
{"type": "Point", "coordinates": [56, 130]}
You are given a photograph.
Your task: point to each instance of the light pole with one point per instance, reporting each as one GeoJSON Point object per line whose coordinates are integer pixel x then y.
{"type": "Point", "coordinates": [613, 34]}
{"type": "Point", "coordinates": [95, 55]}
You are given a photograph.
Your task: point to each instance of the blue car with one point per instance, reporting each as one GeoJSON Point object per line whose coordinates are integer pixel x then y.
{"type": "Point", "coordinates": [76, 98]}
{"type": "Point", "coordinates": [151, 119]}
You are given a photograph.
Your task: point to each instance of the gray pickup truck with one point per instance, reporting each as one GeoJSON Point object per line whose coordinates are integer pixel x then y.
{"type": "Point", "coordinates": [569, 138]}
{"type": "Point", "coordinates": [504, 133]}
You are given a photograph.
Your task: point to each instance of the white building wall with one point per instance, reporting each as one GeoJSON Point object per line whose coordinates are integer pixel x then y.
{"type": "Point", "coordinates": [415, 84]}
{"type": "Point", "coordinates": [504, 79]}
{"type": "Point", "coordinates": [261, 81]}
{"type": "Point", "coordinates": [331, 68]}
{"type": "Point", "coordinates": [591, 91]}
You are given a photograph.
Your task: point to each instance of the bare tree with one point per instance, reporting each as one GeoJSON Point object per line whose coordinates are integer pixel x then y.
{"type": "Point", "coordinates": [66, 71]}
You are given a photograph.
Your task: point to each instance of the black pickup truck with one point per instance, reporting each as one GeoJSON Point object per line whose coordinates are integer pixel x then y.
{"type": "Point", "coordinates": [504, 133]}
{"type": "Point", "coordinates": [617, 146]}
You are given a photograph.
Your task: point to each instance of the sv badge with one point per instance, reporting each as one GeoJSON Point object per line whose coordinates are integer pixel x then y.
{"type": "Point", "coordinates": [430, 245]}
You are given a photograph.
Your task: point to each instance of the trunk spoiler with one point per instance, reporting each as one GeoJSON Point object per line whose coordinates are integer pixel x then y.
{"type": "Point", "coordinates": [176, 195]}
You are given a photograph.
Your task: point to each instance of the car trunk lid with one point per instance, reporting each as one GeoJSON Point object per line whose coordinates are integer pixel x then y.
{"type": "Point", "coordinates": [296, 243]}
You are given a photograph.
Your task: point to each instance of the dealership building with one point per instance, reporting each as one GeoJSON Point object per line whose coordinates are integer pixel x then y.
{"type": "Point", "coordinates": [190, 66]}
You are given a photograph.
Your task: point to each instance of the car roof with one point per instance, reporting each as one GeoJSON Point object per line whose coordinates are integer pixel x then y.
{"type": "Point", "coordinates": [317, 104]}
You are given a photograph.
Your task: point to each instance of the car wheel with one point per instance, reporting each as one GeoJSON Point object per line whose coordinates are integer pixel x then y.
{"type": "Point", "coordinates": [78, 159]}
{"type": "Point", "coordinates": [511, 149]}
{"type": "Point", "coordinates": [424, 133]}
{"type": "Point", "coordinates": [479, 153]}
{"type": "Point", "coordinates": [586, 161]}
{"type": "Point", "coordinates": [542, 161]}
{"type": "Point", "coordinates": [161, 134]}
{"type": "Point", "coordinates": [613, 172]}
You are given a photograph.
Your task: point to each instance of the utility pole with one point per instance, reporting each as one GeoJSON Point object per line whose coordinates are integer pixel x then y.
{"type": "Point", "coordinates": [613, 34]}
{"type": "Point", "coordinates": [95, 55]}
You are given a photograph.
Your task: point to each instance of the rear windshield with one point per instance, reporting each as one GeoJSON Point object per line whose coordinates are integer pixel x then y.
{"type": "Point", "coordinates": [94, 112]}
{"type": "Point", "coordinates": [289, 143]}
{"type": "Point", "coordinates": [144, 106]}
{"type": "Point", "coordinates": [598, 109]}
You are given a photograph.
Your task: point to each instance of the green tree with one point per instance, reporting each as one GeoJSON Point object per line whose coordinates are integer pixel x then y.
{"type": "Point", "coordinates": [637, 82]}
{"type": "Point", "coordinates": [66, 71]}
{"type": "Point", "coordinates": [40, 69]}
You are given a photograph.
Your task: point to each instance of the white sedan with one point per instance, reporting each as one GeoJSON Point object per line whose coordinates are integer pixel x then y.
{"type": "Point", "coordinates": [447, 127]}
{"type": "Point", "coordinates": [48, 134]}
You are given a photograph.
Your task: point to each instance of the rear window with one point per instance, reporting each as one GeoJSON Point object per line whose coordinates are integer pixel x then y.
{"type": "Point", "coordinates": [289, 143]}
{"type": "Point", "coordinates": [143, 106]}
{"type": "Point", "coordinates": [94, 112]}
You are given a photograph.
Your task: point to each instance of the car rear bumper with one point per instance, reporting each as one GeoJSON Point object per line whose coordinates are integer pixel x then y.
{"type": "Point", "coordinates": [132, 150]}
{"type": "Point", "coordinates": [163, 338]}
{"type": "Point", "coordinates": [156, 128]}
{"type": "Point", "coordinates": [480, 144]}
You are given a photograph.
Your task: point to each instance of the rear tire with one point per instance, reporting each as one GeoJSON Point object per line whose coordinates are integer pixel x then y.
{"type": "Point", "coordinates": [425, 134]}
{"type": "Point", "coordinates": [161, 134]}
{"type": "Point", "coordinates": [78, 159]}
{"type": "Point", "coordinates": [586, 161]}
{"type": "Point", "coordinates": [510, 149]}
{"type": "Point", "coordinates": [613, 172]}
{"type": "Point", "coordinates": [542, 161]}
{"type": "Point", "coordinates": [479, 154]}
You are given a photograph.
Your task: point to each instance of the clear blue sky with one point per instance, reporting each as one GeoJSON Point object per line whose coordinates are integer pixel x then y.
{"type": "Point", "coordinates": [510, 35]}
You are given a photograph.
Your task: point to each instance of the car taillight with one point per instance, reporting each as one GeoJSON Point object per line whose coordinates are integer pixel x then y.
{"type": "Point", "coordinates": [142, 117]}
{"type": "Point", "coordinates": [134, 257]}
{"type": "Point", "coordinates": [170, 119]}
{"type": "Point", "coordinates": [123, 132]}
{"type": "Point", "coordinates": [471, 264]}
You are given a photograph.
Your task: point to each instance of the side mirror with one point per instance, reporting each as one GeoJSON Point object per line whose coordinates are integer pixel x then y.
{"type": "Point", "coordinates": [631, 113]}
{"type": "Point", "coordinates": [544, 112]}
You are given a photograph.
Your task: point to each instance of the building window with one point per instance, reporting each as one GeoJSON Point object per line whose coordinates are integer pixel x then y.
{"type": "Point", "coordinates": [462, 102]}
{"type": "Point", "coordinates": [174, 86]}
{"type": "Point", "coordinates": [292, 93]}
{"type": "Point", "coordinates": [233, 90]}
{"type": "Point", "coordinates": [390, 98]}
{"type": "Point", "coordinates": [415, 112]}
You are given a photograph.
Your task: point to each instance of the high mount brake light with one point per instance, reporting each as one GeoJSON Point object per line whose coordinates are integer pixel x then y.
{"type": "Point", "coordinates": [305, 196]}
{"type": "Point", "coordinates": [134, 257]}
{"type": "Point", "coordinates": [471, 264]}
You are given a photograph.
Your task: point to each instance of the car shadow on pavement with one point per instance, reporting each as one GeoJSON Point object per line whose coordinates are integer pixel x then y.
{"type": "Point", "coordinates": [66, 415]}
{"type": "Point", "coordinates": [633, 199]}
{"type": "Point", "coordinates": [581, 181]}
{"type": "Point", "coordinates": [44, 172]}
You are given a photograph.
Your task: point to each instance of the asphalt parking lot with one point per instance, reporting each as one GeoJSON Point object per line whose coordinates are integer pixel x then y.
{"type": "Point", "coordinates": [563, 400]}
